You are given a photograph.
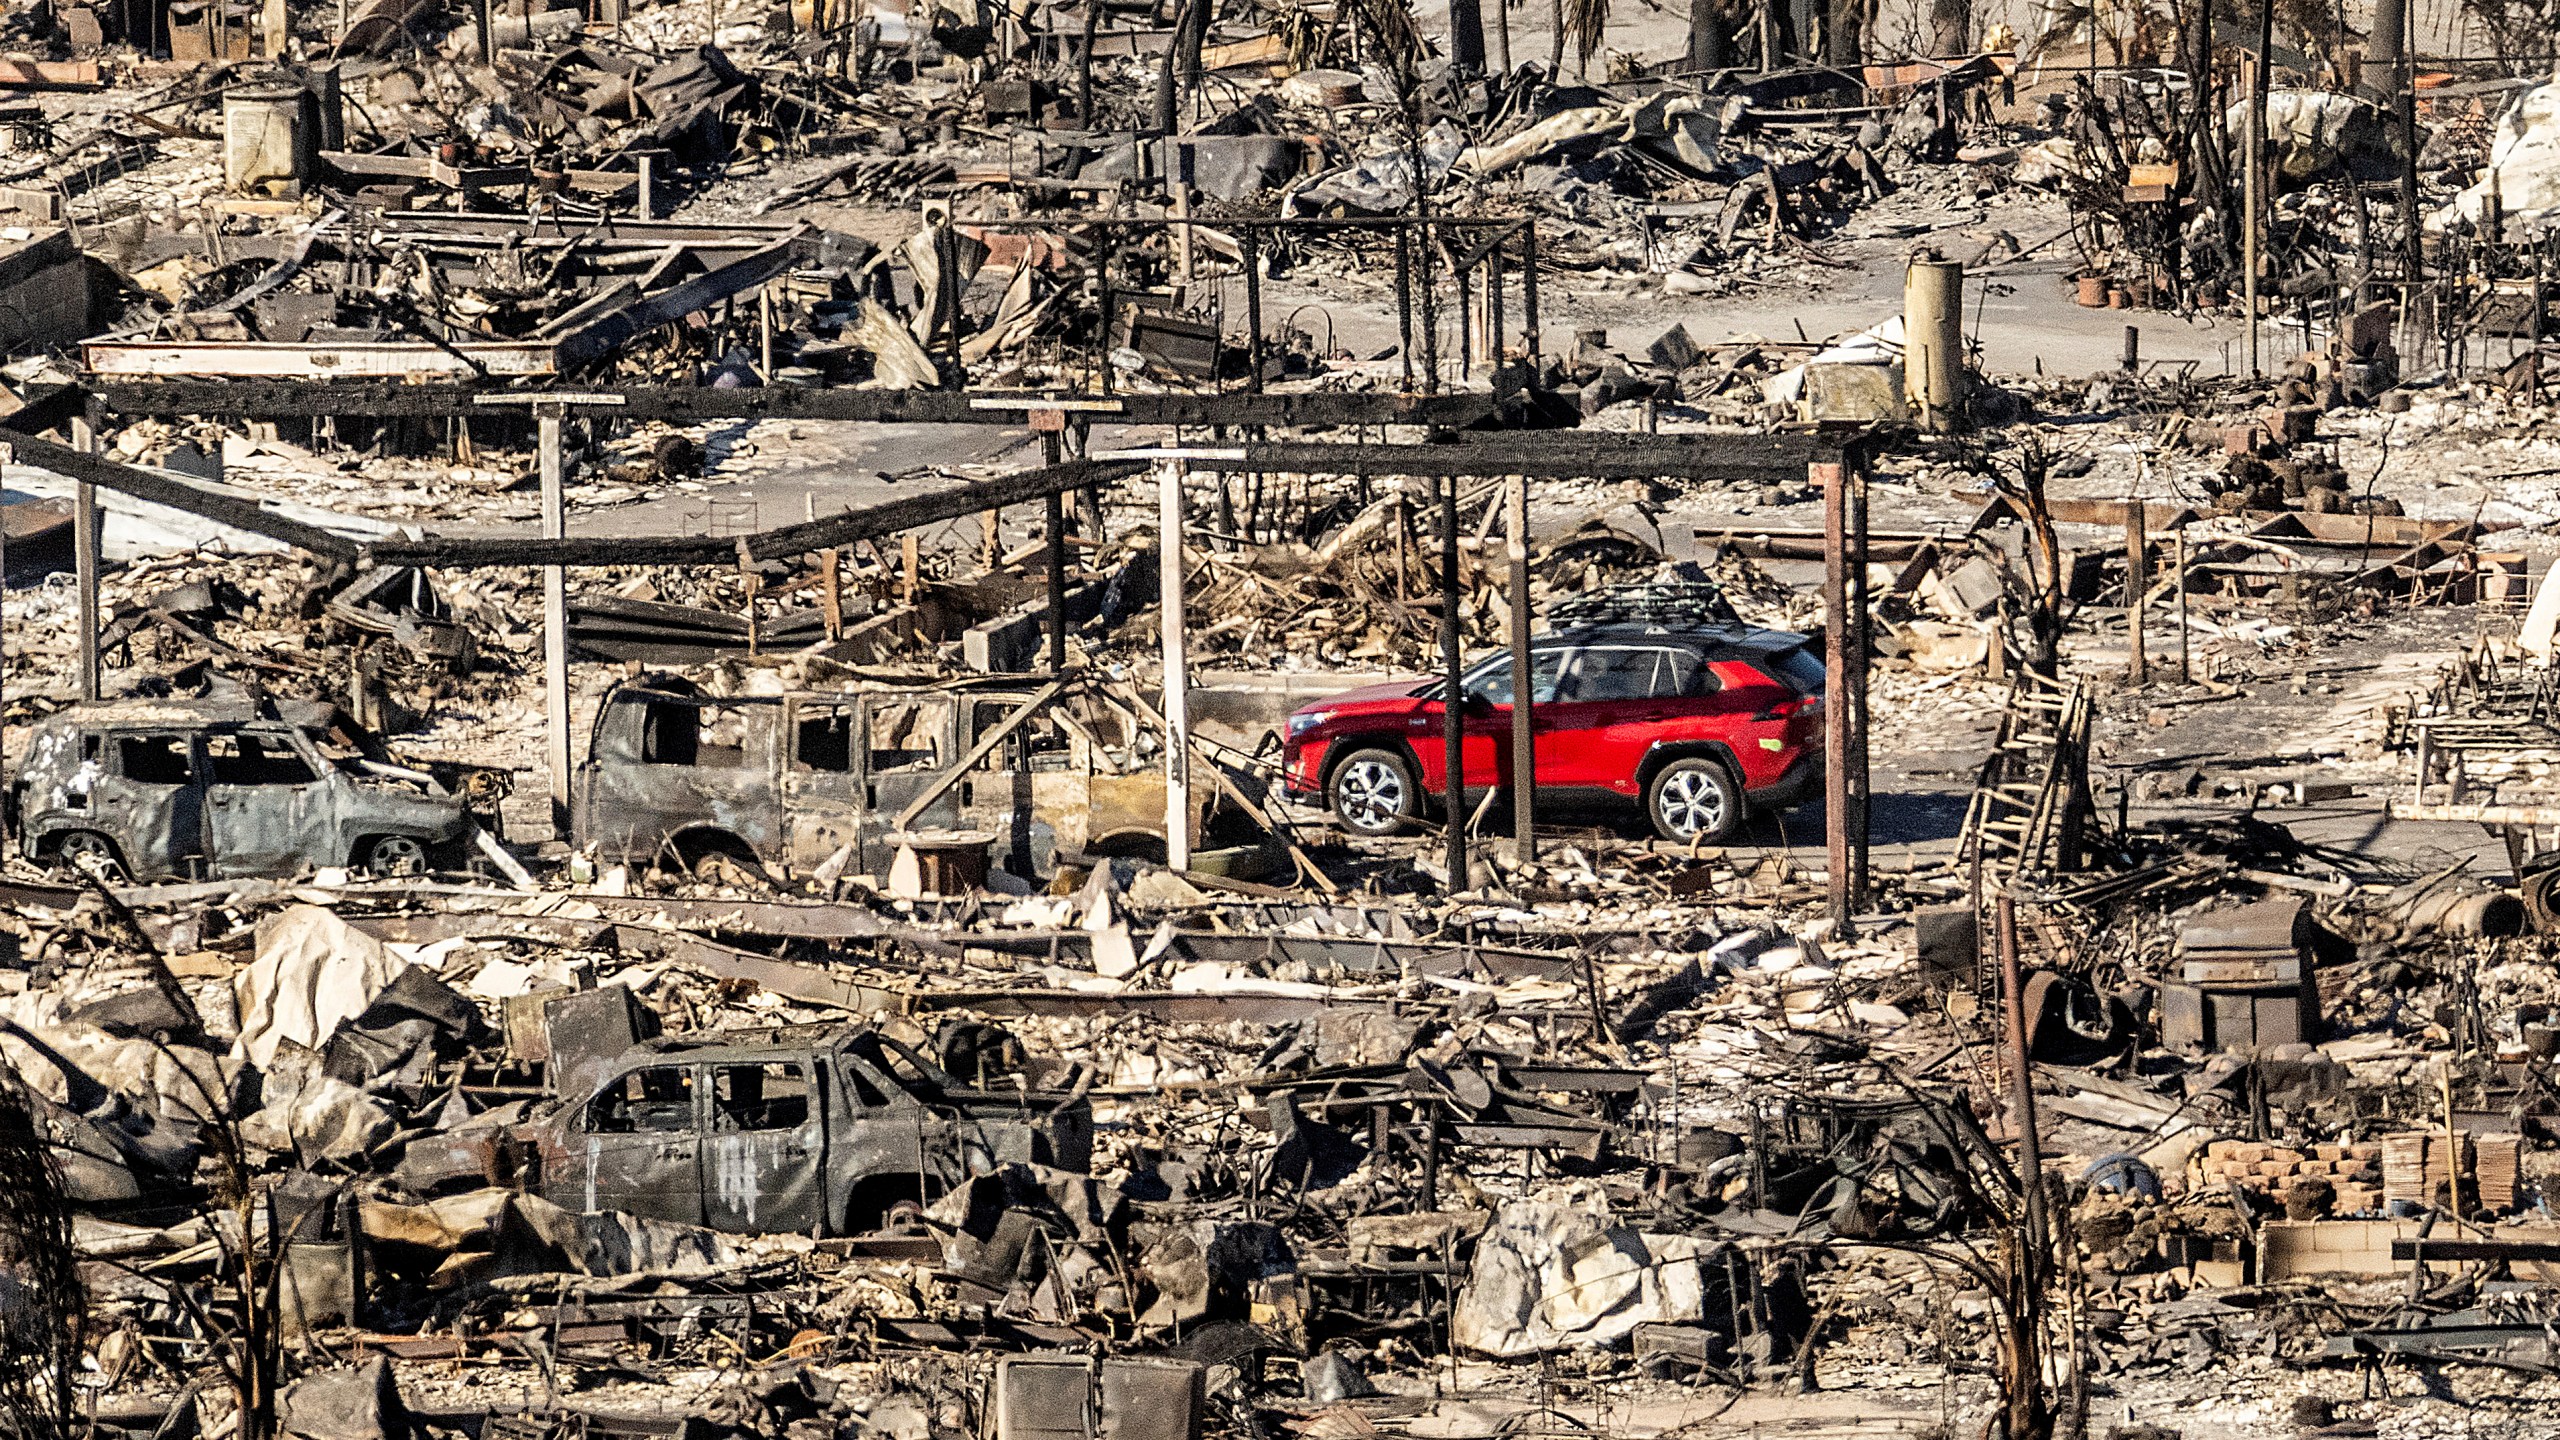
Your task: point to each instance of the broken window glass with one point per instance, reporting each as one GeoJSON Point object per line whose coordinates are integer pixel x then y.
{"type": "Point", "coordinates": [255, 760]}
{"type": "Point", "coordinates": [771, 1096]}
{"type": "Point", "coordinates": [824, 742]}
{"type": "Point", "coordinates": [907, 734]}
{"type": "Point", "coordinates": [152, 759]}
{"type": "Point", "coordinates": [644, 1101]}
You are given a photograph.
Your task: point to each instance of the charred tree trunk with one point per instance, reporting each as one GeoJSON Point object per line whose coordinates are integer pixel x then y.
{"type": "Point", "coordinates": [1466, 37]}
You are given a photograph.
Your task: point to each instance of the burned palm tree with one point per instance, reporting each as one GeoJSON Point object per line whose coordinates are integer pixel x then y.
{"type": "Point", "coordinates": [42, 1304]}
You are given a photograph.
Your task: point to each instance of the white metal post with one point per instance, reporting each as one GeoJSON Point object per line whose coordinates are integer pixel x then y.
{"type": "Point", "coordinates": [84, 560]}
{"type": "Point", "coordinates": [1177, 677]}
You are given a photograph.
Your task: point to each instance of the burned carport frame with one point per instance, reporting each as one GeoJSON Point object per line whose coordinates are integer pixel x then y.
{"type": "Point", "coordinates": [1832, 459]}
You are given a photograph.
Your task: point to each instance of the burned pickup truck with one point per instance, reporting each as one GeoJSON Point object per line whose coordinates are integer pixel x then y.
{"type": "Point", "coordinates": [787, 782]}
{"type": "Point", "coordinates": [811, 1129]}
{"type": "Point", "coordinates": [189, 789]}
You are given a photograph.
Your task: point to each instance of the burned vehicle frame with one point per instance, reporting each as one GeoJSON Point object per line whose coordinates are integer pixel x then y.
{"type": "Point", "coordinates": [790, 782]}
{"type": "Point", "coordinates": [186, 789]}
{"type": "Point", "coordinates": [812, 1129]}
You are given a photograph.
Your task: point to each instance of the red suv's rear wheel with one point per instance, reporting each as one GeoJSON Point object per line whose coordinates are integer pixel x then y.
{"type": "Point", "coordinates": [1694, 800]}
{"type": "Point", "coordinates": [1375, 792]}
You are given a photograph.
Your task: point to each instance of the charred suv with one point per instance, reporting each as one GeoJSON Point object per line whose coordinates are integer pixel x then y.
{"type": "Point", "coordinates": [810, 1130]}
{"type": "Point", "coordinates": [181, 789]}
{"type": "Point", "coordinates": [786, 783]}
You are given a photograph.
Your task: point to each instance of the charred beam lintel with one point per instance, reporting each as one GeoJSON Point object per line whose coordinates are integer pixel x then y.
{"type": "Point", "coordinates": [267, 399]}
{"type": "Point", "coordinates": [1557, 454]}
{"type": "Point", "coordinates": [870, 523]}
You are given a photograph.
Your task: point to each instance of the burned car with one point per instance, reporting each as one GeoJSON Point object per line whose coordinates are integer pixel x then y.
{"type": "Point", "coordinates": [787, 782]}
{"type": "Point", "coordinates": [813, 1129]}
{"type": "Point", "coordinates": [217, 788]}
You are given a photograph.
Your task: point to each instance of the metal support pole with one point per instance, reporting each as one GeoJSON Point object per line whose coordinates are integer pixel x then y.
{"type": "Point", "coordinates": [946, 244]}
{"type": "Point", "coordinates": [2137, 578]}
{"type": "Point", "coordinates": [1055, 518]}
{"type": "Point", "coordinates": [1832, 477]}
{"type": "Point", "coordinates": [1861, 645]}
{"type": "Point", "coordinates": [1177, 679]}
{"type": "Point", "coordinates": [1453, 709]}
{"type": "Point", "coordinates": [1529, 291]}
{"type": "Point", "coordinates": [1404, 304]}
{"type": "Point", "coordinates": [2252, 189]}
{"type": "Point", "coordinates": [2405, 85]}
{"type": "Point", "coordinates": [1252, 242]}
{"type": "Point", "coordinates": [555, 618]}
{"type": "Point", "coordinates": [1524, 750]}
{"type": "Point", "coordinates": [84, 559]}
{"type": "Point", "coordinates": [2186, 667]}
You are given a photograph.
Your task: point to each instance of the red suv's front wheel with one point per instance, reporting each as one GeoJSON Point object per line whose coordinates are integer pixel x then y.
{"type": "Point", "coordinates": [1375, 792]}
{"type": "Point", "coordinates": [1694, 800]}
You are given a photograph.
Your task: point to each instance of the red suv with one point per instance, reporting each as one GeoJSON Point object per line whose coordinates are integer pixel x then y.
{"type": "Point", "coordinates": [1702, 727]}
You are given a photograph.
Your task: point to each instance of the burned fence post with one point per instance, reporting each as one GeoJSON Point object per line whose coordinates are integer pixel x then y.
{"type": "Point", "coordinates": [1524, 756]}
{"type": "Point", "coordinates": [1177, 699]}
{"type": "Point", "coordinates": [2186, 666]}
{"type": "Point", "coordinates": [84, 557]}
{"type": "Point", "coordinates": [1843, 701]}
{"type": "Point", "coordinates": [2137, 576]}
{"type": "Point", "coordinates": [1051, 424]}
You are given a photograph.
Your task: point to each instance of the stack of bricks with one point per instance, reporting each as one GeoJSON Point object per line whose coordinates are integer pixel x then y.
{"type": "Point", "coordinates": [2354, 1171]}
{"type": "Point", "coordinates": [2413, 1168]}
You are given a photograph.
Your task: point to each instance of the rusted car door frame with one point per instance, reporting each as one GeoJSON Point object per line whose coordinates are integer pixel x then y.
{"type": "Point", "coordinates": [771, 1180]}
{"type": "Point", "coordinates": [633, 808]}
{"type": "Point", "coordinates": [157, 828]}
{"type": "Point", "coordinates": [886, 792]}
{"type": "Point", "coordinates": [822, 809]}
{"type": "Point", "coordinates": [665, 1183]}
{"type": "Point", "coordinates": [264, 827]}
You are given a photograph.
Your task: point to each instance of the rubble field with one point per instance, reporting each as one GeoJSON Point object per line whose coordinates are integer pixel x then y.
{"type": "Point", "coordinates": [1284, 720]}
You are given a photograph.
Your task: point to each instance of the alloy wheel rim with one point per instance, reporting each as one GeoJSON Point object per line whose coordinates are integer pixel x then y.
{"type": "Point", "coordinates": [1371, 793]}
{"type": "Point", "coordinates": [1692, 804]}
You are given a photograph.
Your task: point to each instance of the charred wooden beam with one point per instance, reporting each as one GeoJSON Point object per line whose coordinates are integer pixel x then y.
{"type": "Point", "coordinates": [870, 523]}
{"type": "Point", "coordinates": [270, 399]}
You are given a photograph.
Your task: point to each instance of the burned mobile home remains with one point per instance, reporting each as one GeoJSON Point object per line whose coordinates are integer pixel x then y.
{"type": "Point", "coordinates": [1162, 720]}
